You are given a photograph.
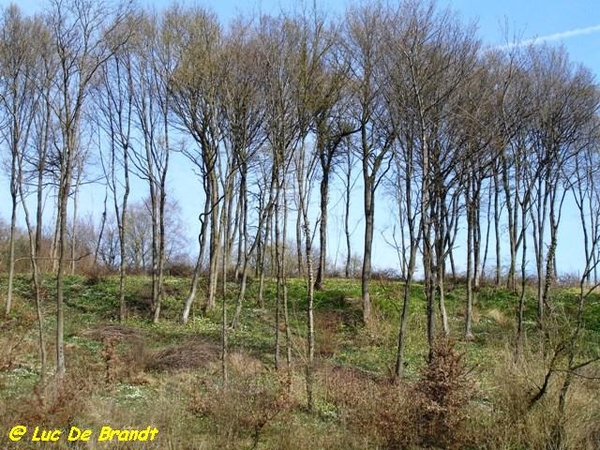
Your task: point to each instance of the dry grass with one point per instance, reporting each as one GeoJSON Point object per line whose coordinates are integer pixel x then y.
{"type": "Point", "coordinates": [15, 341]}
{"type": "Point", "coordinates": [193, 354]}
{"type": "Point", "coordinates": [115, 332]}
{"type": "Point", "coordinates": [497, 316]}
{"type": "Point", "coordinates": [516, 422]}
{"type": "Point", "coordinates": [241, 411]}
{"type": "Point", "coordinates": [240, 364]}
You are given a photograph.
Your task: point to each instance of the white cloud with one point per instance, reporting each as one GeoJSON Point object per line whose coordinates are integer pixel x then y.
{"type": "Point", "coordinates": [553, 37]}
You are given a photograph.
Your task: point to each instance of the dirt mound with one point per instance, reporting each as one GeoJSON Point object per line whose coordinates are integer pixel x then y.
{"type": "Point", "coordinates": [189, 355]}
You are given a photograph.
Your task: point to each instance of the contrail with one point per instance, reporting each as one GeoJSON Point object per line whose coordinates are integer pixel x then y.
{"type": "Point", "coordinates": [552, 37]}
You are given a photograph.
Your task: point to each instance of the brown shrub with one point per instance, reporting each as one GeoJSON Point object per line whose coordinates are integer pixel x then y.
{"type": "Point", "coordinates": [57, 404]}
{"type": "Point", "coordinates": [381, 413]}
{"type": "Point", "coordinates": [240, 412]}
{"type": "Point", "coordinates": [124, 352]}
{"type": "Point", "coordinates": [13, 337]}
{"type": "Point", "coordinates": [432, 412]}
{"type": "Point", "coordinates": [443, 395]}
{"type": "Point", "coordinates": [327, 324]}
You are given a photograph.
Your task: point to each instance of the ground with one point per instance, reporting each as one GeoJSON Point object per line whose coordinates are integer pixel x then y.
{"type": "Point", "coordinates": [126, 379]}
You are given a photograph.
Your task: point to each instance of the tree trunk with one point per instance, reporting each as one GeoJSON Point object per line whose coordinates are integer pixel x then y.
{"type": "Point", "coordinates": [348, 192]}
{"type": "Point", "coordinates": [323, 229]}
{"type": "Point", "coordinates": [214, 242]}
{"type": "Point", "coordinates": [63, 199]}
{"type": "Point", "coordinates": [74, 220]}
{"type": "Point", "coordinates": [37, 287]}
{"type": "Point", "coordinates": [405, 309]}
{"type": "Point", "coordinates": [469, 312]}
{"type": "Point", "coordinates": [520, 336]}
{"type": "Point", "coordinates": [13, 227]}
{"type": "Point", "coordinates": [198, 267]}
{"type": "Point", "coordinates": [122, 224]}
{"type": "Point", "coordinates": [366, 268]}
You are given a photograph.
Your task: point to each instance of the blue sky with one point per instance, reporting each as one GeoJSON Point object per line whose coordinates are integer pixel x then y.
{"type": "Point", "coordinates": [574, 24]}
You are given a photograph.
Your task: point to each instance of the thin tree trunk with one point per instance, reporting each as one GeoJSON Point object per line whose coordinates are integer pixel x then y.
{"type": "Point", "coordinates": [440, 250]}
{"type": "Point", "coordinates": [39, 211]}
{"type": "Point", "coordinates": [161, 223]}
{"type": "Point", "coordinates": [264, 215]}
{"type": "Point", "coordinates": [477, 269]}
{"type": "Point", "coordinates": [262, 251]}
{"type": "Point", "coordinates": [520, 336]}
{"type": "Point", "coordinates": [366, 268]}
{"type": "Point", "coordinates": [224, 376]}
{"type": "Point", "coordinates": [185, 316]}
{"type": "Point", "coordinates": [348, 192]}
{"type": "Point", "coordinates": [398, 370]}
{"type": "Point", "coordinates": [198, 267]}
{"type": "Point", "coordinates": [63, 199]}
{"type": "Point", "coordinates": [551, 255]}
{"type": "Point", "coordinates": [299, 257]}
{"type": "Point", "coordinates": [469, 312]}
{"type": "Point", "coordinates": [310, 295]}
{"type": "Point", "coordinates": [286, 317]}
{"type": "Point", "coordinates": [55, 247]}
{"type": "Point", "coordinates": [488, 227]}
{"type": "Point", "coordinates": [74, 220]}
{"type": "Point", "coordinates": [11, 245]}
{"type": "Point", "coordinates": [511, 212]}
{"type": "Point", "coordinates": [122, 241]}
{"type": "Point", "coordinates": [102, 228]}
{"type": "Point", "coordinates": [215, 243]}
{"type": "Point", "coordinates": [442, 297]}
{"type": "Point", "coordinates": [323, 228]}
{"type": "Point", "coordinates": [37, 286]}
{"type": "Point", "coordinates": [279, 282]}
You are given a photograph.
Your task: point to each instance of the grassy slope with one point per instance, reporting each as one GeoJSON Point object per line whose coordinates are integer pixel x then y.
{"type": "Point", "coordinates": [168, 375]}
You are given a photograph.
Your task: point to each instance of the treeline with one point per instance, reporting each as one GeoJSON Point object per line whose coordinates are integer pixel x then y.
{"type": "Point", "coordinates": [94, 246]}
{"type": "Point", "coordinates": [268, 109]}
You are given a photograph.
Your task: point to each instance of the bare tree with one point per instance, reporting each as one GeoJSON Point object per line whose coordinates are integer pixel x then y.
{"type": "Point", "coordinates": [115, 100]}
{"type": "Point", "coordinates": [18, 103]}
{"type": "Point", "coordinates": [582, 181]}
{"type": "Point", "coordinates": [194, 87]}
{"type": "Point", "coordinates": [242, 111]}
{"type": "Point", "coordinates": [322, 80]}
{"type": "Point", "coordinates": [476, 133]}
{"type": "Point", "coordinates": [362, 47]}
{"type": "Point", "coordinates": [437, 56]}
{"type": "Point", "coordinates": [85, 35]}
{"type": "Point", "coordinates": [151, 66]}
{"type": "Point", "coordinates": [279, 39]}
{"type": "Point", "coordinates": [564, 105]}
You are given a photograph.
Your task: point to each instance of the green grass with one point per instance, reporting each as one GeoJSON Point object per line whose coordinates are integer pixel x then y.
{"type": "Point", "coordinates": [112, 383]}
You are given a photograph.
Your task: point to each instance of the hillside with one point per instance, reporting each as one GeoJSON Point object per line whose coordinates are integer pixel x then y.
{"type": "Point", "coordinates": [140, 376]}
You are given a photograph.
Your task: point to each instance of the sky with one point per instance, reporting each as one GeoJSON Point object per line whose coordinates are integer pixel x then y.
{"type": "Point", "coordinates": [574, 24]}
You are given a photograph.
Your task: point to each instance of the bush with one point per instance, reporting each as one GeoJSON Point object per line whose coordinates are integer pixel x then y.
{"type": "Point", "coordinates": [432, 412]}
{"type": "Point", "coordinates": [443, 396]}
{"type": "Point", "coordinates": [240, 412]}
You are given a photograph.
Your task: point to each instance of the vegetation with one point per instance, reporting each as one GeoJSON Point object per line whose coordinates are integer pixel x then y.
{"type": "Point", "coordinates": [472, 341]}
{"type": "Point", "coordinates": [473, 394]}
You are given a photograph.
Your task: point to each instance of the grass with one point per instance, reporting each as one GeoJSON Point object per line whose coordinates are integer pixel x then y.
{"type": "Point", "coordinates": [169, 375]}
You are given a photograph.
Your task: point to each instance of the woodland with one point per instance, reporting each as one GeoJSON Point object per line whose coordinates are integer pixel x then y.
{"type": "Point", "coordinates": [254, 338]}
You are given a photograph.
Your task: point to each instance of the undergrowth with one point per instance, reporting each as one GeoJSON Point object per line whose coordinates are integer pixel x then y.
{"type": "Point", "coordinates": [471, 395]}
